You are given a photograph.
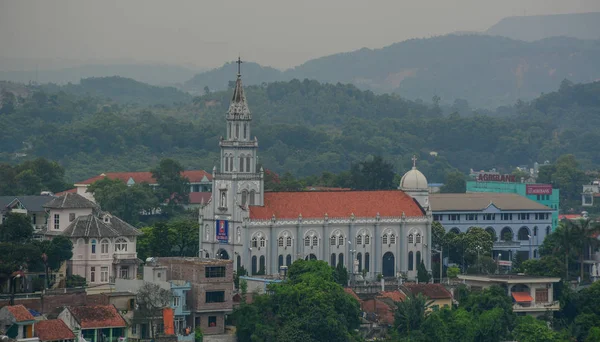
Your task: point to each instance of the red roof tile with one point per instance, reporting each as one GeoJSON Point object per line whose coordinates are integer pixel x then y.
{"type": "Point", "coordinates": [396, 295]}
{"type": "Point", "coordinates": [199, 197]}
{"type": "Point", "coordinates": [20, 313]}
{"type": "Point", "coordinates": [98, 316]}
{"type": "Point", "coordinates": [324, 188]}
{"type": "Point", "coordinates": [194, 176]}
{"type": "Point", "coordinates": [569, 217]}
{"type": "Point", "coordinates": [352, 293]}
{"type": "Point", "coordinates": [315, 204]}
{"type": "Point", "coordinates": [431, 291]}
{"type": "Point", "coordinates": [53, 330]}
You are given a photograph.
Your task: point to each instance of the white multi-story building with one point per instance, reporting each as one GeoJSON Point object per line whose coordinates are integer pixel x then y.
{"type": "Point", "coordinates": [382, 232]}
{"type": "Point", "coordinates": [516, 223]}
{"type": "Point", "coordinates": [104, 246]}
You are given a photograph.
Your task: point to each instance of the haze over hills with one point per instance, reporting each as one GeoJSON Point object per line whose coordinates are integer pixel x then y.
{"type": "Point", "coordinates": [530, 28]}
{"type": "Point", "coordinates": [485, 70]}
{"type": "Point", "coordinates": [155, 74]}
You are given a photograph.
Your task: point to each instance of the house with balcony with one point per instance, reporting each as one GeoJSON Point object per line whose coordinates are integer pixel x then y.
{"type": "Point", "coordinates": [32, 206]}
{"type": "Point", "coordinates": [517, 224]}
{"type": "Point", "coordinates": [104, 246]}
{"type": "Point", "coordinates": [95, 323]}
{"type": "Point", "coordinates": [17, 323]}
{"type": "Point", "coordinates": [211, 297]}
{"type": "Point", "coordinates": [531, 295]}
{"type": "Point", "coordinates": [179, 317]}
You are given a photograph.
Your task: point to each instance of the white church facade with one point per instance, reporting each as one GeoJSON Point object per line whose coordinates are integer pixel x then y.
{"type": "Point", "coordinates": [385, 232]}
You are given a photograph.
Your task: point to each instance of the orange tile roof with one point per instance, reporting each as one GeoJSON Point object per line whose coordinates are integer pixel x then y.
{"type": "Point", "coordinates": [70, 191]}
{"type": "Point", "coordinates": [352, 293]}
{"type": "Point", "coordinates": [53, 330]}
{"type": "Point", "coordinates": [431, 291]}
{"type": "Point", "coordinates": [194, 176]}
{"type": "Point", "coordinates": [315, 204]}
{"type": "Point", "coordinates": [396, 295]}
{"type": "Point", "coordinates": [324, 188]}
{"type": "Point", "coordinates": [522, 297]}
{"type": "Point", "coordinates": [97, 316]}
{"type": "Point", "coordinates": [20, 313]}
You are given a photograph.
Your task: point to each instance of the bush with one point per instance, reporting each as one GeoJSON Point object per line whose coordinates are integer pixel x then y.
{"type": "Point", "coordinates": [198, 335]}
{"type": "Point", "coordinates": [453, 272]}
{"type": "Point", "coordinates": [75, 281]}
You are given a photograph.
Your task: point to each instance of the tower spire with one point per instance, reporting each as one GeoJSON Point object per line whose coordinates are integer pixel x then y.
{"type": "Point", "coordinates": [239, 63]}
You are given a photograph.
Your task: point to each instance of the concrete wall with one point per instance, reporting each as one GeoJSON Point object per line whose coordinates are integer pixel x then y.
{"type": "Point", "coordinates": [49, 303]}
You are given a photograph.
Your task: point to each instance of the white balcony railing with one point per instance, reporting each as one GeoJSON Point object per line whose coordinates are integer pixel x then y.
{"type": "Point", "coordinates": [554, 306]}
{"type": "Point", "coordinates": [126, 255]}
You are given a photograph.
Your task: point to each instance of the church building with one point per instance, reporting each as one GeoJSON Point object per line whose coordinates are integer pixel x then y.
{"type": "Point", "coordinates": [385, 232]}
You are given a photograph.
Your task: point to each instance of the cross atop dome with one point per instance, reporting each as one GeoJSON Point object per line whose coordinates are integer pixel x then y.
{"type": "Point", "coordinates": [414, 160]}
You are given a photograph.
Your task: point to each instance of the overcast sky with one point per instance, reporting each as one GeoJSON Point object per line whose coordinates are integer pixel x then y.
{"type": "Point", "coordinates": [206, 33]}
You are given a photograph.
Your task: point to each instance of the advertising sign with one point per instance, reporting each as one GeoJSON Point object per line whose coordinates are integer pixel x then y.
{"type": "Point", "coordinates": [222, 231]}
{"type": "Point", "coordinates": [504, 263]}
{"type": "Point", "coordinates": [496, 177]}
{"type": "Point", "coordinates": [539, 189]}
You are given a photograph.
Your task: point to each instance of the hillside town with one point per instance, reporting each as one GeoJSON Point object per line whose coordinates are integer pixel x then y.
{"type": "Point", "coordinates": [383, 255]}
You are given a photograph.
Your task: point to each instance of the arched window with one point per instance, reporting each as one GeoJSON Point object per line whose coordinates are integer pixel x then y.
{"type": "Point", "coordinates": [506, 234]}
{"type": "Point", "coordinates": [104, 246]}
{"type": "Point", "coordinates": [367, 261]}
{"type": "Point", "coordinates": [523, 234]}
{"type": "Point", "coordinates": [248, 169]}
{"type": "Point", "coordinates": [93, 243]}
{"type": "Point", "coordinates": [535, 231]}
{"type": "Point", "coordinates": [261, 267]}
{"type": "Point", "coordinates": [359, 240]}
{"type": "Point", "coordinates": [340, 240]}
{"type": "Point", "coordinates": [241, 164]}
{"type": "Point", "coordinates": [263, 242]}
{"type": "Point", "coordinates": [252, 195]}
{"type": "Point", "coordinates": [288, 260]}
{"type": "Point", "coordinates": [385, 239]}
{"type": "Point", "coordinates": [341, 259]}
{"type": "Point", "coordinates": [254, 242]}
{"type": "Point", "coordinates": [418, 239]}
{"type": "Point", "coordinates": [332, 260]}
{"type": "Point", "coordinates": [418, 259]}
{"type": "Point", "coordinates": [367, 238]}
{"type": "Point", "coordinates": [230, 163]}
{"type": "Point", "coordinates": [547, 230]}
{"type": "Point", "coordinates": [239, 262]}
{"type": "Point", "coordinates": [307, 241]}
{"type": "Point", "coordinates": [491, 232]}
{"type": "Point", "coordinates": [280, 241]}
{"type": "Point", "coordinates": [410, 261]}
{"type": "Point", "coordinates": [288, 241]}
{"type": "Point", "coordinates": [332, 241]}
{"type": "Point", "coordinates": [535, 253]}
{"type": "Point", "coordinates": [121, 245]}
{"type": "Point", "coordinates": [254, 269]}
{"type": "Point", "coordinates": [359, 259]}
{"type": "Point", "coordinates": [280, 261]}
{"type": "Point", "coordinates": [237, 131]}
{"type": "Point", "coordinates": [230, 130]}
{"type": "Point", "coordinates": [315, 240]}
{"type": "Point", "coordinates": [245, 131]}
{"type": "Point", "coordinates": [392, 239]}
{"type": "Point", "coordinates": [410, 238]}
{"type": "Point", "coordinates": [244, 197]}
{"type": "Point", "coordinates": [226, 163]}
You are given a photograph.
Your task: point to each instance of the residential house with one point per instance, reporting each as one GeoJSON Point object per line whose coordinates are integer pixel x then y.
{"type": "Point", "coordinates": [436, 294]}
{"type": "Point", "coordinates": [32, 206]}
{"type": "Point", "coordinates": [97, 323]}
{"type": "Point", "coordinates": [53, 330]}
{"type": "Point", "coordinates": [178, 317]}
{"type": "Point", "coordinates": [532, 295]}
{"type": "Point", "coordinates": [17, 323]}
{"type": "Point", "coordinates": [104, 246]}
{"type": "Point", "coordinates": [517, 224]}
{"type": "Point", "coordinates": [200, 181]}
{"type": "Point", "coordinates": [211, 297]}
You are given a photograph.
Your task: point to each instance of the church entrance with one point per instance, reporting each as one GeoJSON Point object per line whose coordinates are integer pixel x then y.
{"type": "Point", "coordinates": [222, 254]}
{"type": "Point", "coordinates": [388, 264]}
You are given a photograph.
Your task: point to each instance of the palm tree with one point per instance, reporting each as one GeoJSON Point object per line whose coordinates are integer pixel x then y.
{"type": "Point", "coordinates": [586, 233]}
{"type": "Point", "coordinates": [562, 240]}
{"type": "Point", "coordinates": [410, 314]}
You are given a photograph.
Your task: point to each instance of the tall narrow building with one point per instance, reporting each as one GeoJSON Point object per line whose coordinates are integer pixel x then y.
{"type": "Point", "coordinates": [385, 232]}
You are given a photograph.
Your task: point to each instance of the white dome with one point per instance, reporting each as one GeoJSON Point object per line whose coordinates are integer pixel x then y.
{"type": "Point", "coordinates": [413, 180]}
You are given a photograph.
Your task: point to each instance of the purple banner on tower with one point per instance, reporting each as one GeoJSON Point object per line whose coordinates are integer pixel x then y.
{"type": "Point", "coordinates": [222, 231]}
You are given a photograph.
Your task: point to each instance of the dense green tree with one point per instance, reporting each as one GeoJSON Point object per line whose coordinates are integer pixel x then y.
{"type": "Point", "coordinates": [19, 256]}
{"type": "Point", "coordinates": [455, 182]}
{"type": "Point", "coordinates": [340, 274]}
{"type": "Point", "coordinates": [184, 233]}
{"type": "Point", "coordinates": [124, 201]}
{"type": "Point", "coordinates": [492, 298]}
{"type": "Point", "coordinates": [373, 174]}
{"type": "Point", "coordinates": [32, 177]}
{"type": "Point", "coordinates": [410, 314]}
{"type": "Point", "coordinates": [172, 188]}
{"type": "Point", "coordinates": [423, 275]}
{"type": "Point", "coordinates": [16, 228]}
{"type": "Point", "coordinates": [57, 250]}
{"type": "Point", "coordinates": [547, 265]}
{"type": "Point", "coordinates": [529, 329]}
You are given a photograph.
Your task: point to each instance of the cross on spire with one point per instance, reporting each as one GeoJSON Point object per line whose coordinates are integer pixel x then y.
{"type": "Point", "coordinates": [414, 160]}
{"type": "Point", "coordinates": [239, 63]}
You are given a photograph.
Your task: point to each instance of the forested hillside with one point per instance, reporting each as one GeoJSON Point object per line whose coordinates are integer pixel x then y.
{"type": "Point", "coordinates": [303, 127]}
{"type": "Point", "coordinates": [485, 70]}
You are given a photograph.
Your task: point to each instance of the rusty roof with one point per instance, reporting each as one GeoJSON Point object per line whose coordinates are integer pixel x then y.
{"type": "Point", "coordinates": [97, 316]}
{"type": "Point", "coordinates": [20, 313]}
{"type": "Point", "coordinates": [431, 291]}
{"type": "Point", "coordinates": [53, 330]}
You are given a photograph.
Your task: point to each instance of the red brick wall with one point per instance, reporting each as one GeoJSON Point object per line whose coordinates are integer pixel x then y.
{"type": "Point", "coordinates": [51, 303]}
